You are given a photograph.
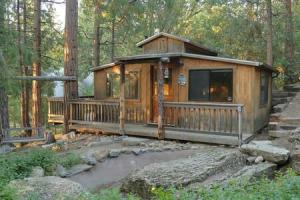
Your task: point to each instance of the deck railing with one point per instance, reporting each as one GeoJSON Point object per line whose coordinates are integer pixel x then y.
{"type": "Point", "coordinates": [55, 109]}
{"type": "Point", "coordinates": [205, 117]}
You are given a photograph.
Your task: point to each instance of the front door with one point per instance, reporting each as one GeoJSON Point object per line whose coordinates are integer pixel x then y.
{"type": "Point", "coordinates": [168, 90]}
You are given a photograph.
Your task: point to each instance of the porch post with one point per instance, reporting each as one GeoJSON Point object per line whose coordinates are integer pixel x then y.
{"type": "Point", "coordinates": [122, 99]}
{"type": "Point", "coordinates": [160, 103]}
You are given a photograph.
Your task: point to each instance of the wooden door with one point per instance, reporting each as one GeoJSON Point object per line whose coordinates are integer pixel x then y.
{"type": "Point", "coordinates": [168, 90]}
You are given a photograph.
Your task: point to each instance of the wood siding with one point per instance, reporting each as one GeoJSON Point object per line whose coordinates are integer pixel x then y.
{"type": "Point", "coordinates": [164, 45]}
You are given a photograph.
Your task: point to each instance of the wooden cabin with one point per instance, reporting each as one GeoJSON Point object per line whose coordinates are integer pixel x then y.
{"type": "Point", "coordinates": [177, 89]}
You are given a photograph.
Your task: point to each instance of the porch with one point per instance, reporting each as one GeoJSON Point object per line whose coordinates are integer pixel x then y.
{"type": "Point", "coordinates": [199, 122]}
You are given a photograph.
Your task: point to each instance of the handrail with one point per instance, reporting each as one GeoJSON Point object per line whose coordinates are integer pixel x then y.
{"type": "Point", "coordinates": [174, 104]}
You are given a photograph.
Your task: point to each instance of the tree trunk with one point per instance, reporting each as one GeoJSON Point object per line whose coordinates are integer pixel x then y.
{"type": "Point", "coordinates": [70, 57]}
{"type": "Point", "coordinates": [36, 66]}
{"type": "Point", "coordinates": [113, 40]}
{"type": "Point", "coordinates": [24, 92]}
{"type": "Point", "coordinates": [269, 33]}
{"type": "Point", "coordinates": [289, 37]}
{"type": "Point", "coordinates": [96, 43]}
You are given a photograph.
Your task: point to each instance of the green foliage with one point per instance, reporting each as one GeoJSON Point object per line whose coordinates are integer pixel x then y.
{"type": "Point", "coordinates": [6, 193]}
{"type": "Point", "coordinates": [69, 160]}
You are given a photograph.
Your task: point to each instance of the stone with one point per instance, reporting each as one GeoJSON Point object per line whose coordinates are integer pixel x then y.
{"type": "Point", "coordinates": [100, 156]}
{"type": "Point", "coordinates": [279, 107]}
{"type": "Point", "coordinates": [114, 153]}
{"type": "Point", "coordinates": [181, 172]}
{"type": "Point", "coordinates": [5, 148]}
{"type": "Point", "coordinates": [133, 141]}
{"type": "Point", "coordinates": [37, 172]}
{"type": "Point", "coordinates": [137, 151]}
{"type": "Point", "coordinates": [273, 125]}
{"type": "Point", "coordinates": [77, 169]}
{"type": "Point", "coordinates": [251, 159]}
{"type": "Point", "coordinates": [267, 150]}
{"type": "Point", "coordinates": [258, 159]}
{"type": "Point", "coordinates": [46, 188]}
{"type": "Point", "coordinates": [48, 146]}
{"type": "Point", "coordinates": [295, 161]}
{"type": "Point", "coordinates": [103, 141]}
{"type": "Point", "coordinates": [69, 136]}
{"type": "Point", "coordinates": [49, 138]}
{"type": "Point", "coordinates": [61, 171]}
{"type": "Point", "coordinates": [279, 133]}
{"type": "Point", "coordinates": [249, 173]}
{"type": "Point", "coordinates": [89, 158]}
{"type": "Point", "coordinates": [126, 150]}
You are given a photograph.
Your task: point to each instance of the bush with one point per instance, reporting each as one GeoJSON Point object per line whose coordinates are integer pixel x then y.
{"type": "Point", "coordinates": [69, 160]}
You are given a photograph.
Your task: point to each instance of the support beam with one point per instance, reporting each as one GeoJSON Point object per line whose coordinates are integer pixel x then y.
{"type": "Point", "coordinates": [45, 78]}
{"type": "Point", "coordinates": [122, 99]}
{"type": "Point", "coordinates": [160, 104]}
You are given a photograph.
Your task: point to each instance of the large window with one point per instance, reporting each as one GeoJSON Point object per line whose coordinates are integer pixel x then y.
{"type": "Point", "coordinates": [210, 85]}
{"type": "Point", "coordinates": [131, 85]}
{"type": "Point", "coordinates": [264, 88]}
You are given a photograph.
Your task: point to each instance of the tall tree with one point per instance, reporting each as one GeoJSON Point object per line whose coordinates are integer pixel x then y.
{"type": "Point", "coordinates": [113, 36]}
{"type": "Point", "coordinates": [4, 117]}
{"type": "Point", "coordinates": [269, 32]}
{"type": "Point", "coordinates": [22, 66]}
{"type": "Point", "coordinates": [96, 42]}
{"type": "Point", "coordinates": [36, 66]}
{"type": "Point", "coordinates": [70, 56]}
{"type": "Point", "coordinates": [289, 35]}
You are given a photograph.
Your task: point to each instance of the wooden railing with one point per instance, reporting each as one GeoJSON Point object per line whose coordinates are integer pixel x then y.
{"type": "Point", "coordinates": [225, 119]}
{"type": "Point", "coordinates": [55, 109]}
{"type": "Point", "coordinates": [94, 111]}
{"type": "Point", "coordinates": [23, 134]}
{"type": "Point", "coordinates": [135, 114]}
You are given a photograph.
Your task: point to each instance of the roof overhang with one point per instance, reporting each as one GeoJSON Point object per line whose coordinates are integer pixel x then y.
{"type": "Point", "coordinates": [156, 57]}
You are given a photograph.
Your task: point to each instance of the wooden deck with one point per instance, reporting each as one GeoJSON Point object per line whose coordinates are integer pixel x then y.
{"type": "Point", "coordinates": [151, 132]}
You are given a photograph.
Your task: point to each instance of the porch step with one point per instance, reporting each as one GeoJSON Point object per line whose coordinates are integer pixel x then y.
{"type": "Point", "coordinates": [280, 133]}
{"type": "Point", "coordinates": [281, 94]}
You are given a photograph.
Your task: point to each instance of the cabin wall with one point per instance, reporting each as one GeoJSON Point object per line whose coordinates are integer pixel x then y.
{"type": "Point", "coordinates": [163, 45]}
{"type": "Point", "coordinates": [142, 102]}
{"type": "Point", "coordinates": [243, 85]}
{"type": "Point", "coordinates": [261, 111]}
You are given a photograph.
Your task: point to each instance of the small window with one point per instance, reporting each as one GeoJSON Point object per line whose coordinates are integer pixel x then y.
{"type": "Point", "coordinates": [112, 85]}
{"type": "Point", "coordinates": [210, 85]}
{"type": "Point", "coordinates": [264, 88]}
{"type": "Point", "coordinates": [131, 85]}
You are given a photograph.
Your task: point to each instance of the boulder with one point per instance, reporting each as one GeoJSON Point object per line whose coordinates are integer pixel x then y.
{"type": "Point", "coordinates": [77, 169]}
{"type": "Point", "coordinates": [181, 172]}
{"type": "Point", "coordinates": [61, 171]}
{"type": "Point", "coordinates": [89, 158]}
{"type": "Point", "coordinates": [69, 136]}
{"type": "Point", "coordinates": [295, 161]}
{"type": "Point", "coordinates": [46, 188]}
{"type": "Point", "coordinates": [37, 172]}
{"type": "Point", "coordinates": [133, 141]}
{"type": "Point", "coordinates": [267, 150]}
{"type": "Point", "coordinates": [258, 159]}
{"type": "Point", "coordinates": [137, 151]}
{"type": "Point", "coordinates": [114, 153]}
{"type": "Point", "coordinates": [279, 133]}
{"type": "Point", "coordinates": [100, 155]}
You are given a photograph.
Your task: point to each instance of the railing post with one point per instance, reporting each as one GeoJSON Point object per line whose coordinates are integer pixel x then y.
{"type": "Point", "coordinates": [240, 134]}
{"type": "Point", "coordinates": [122, 99]}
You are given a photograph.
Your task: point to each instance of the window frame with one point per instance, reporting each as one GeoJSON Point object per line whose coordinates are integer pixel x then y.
{"type": "Point", "coordinates": [209, 84]}
{"type": "Point", "coordinates": [265, 102]}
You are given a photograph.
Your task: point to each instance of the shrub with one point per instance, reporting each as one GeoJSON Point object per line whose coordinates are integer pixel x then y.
{"type": "Point", "coordinates": [69, 160]}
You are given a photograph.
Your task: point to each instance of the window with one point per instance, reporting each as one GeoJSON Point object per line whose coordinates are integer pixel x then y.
{"type": "Point", "coordinates": [264, 88]}
{"type": "Point", "coordinates": [131, 85]}
{"type": "Point", "coordinates": [210, 85]}
{"type": "Point", "coordinates": [167, 82]}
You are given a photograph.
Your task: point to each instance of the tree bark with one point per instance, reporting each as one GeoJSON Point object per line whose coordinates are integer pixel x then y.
{"type": "Point", "coordinates": [36, 66]}
{"type": "Point", "coordinates": [24, 92]}
{"type": "Point", "coordinates": [70, 57]}
{"type": "Point", "coordinates": [4, 117]}
{"type": "Point", "coordinates": [96, 42]}
{"type": "Point", "coordinates": [160, 103]}
{"type": "Point", "coordinates": [122, 99]}
{"type": "Point", "coordinates": [113, 40]}
{"type": "Point", "coordinates": [269, 33]}
{"type": "Point", "coordinates": [289, 37]}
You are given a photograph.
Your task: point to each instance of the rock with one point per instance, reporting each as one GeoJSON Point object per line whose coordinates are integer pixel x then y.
{"type": "Point", "coordinates": [181, 172]}
{"type": "Point", "coordinates": [46, 188]}
{"type": "Point", "coordinates": [77, 169]}
{"type": "Point", "coordinates": [267, 150]}
{"type": "Point", "coordinates": [37, 172]}
{"type": "Point", "coordinates": [69, 136]}
{"type": "Point", "coordinates": [251, 159]}
{"type": "Point", "coordinates": [49, 138]}
{"type": "Point", "coordinates": [137, 151]}
{"type": "Point", "coordinates": [61, 171]}
{"type": "Point", "coordinates": [279, 133]}
{"type": "Point", "coordinates": [103, 141]}
{"type": "Point", "coordinates": [100, 155]}
{"type": "Point", "coordinates": [126, 151]}
{"type": "Point", "coordinates": [295, 161]}
{"type": "Point", "coordinates": [258, 159]}
{"type": "Point", "coordinates": [48, 146]}
{"type": "Point", "coordinates": [133, 141]}
{"type": "Point", "coordinates": [89, 158]}
{"type": "Point", "coordinates": [279, 107]}
{"type": "Point", "coordinates": [252, 172]}
{"type": "Point", "coordinates": [5, 148]}
{"type": "Point", "coordinates": [114, 153]}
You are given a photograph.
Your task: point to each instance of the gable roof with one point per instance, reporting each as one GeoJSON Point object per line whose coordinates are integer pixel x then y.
{"type": "Point", "coordinates": [186, 55]}
{"type": "Point", "coordinates": [163, 34]}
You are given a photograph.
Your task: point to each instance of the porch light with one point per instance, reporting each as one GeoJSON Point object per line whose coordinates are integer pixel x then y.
{"type": "Point", "coordinates": [166, 73]}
